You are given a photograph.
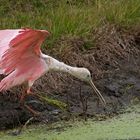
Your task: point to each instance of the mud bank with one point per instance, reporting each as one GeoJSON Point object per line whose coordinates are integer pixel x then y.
{"type": "Point", "coordinates": [111, 54]}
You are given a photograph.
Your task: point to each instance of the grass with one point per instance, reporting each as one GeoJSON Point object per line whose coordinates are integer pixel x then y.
{"type": "Point", "coordinates": [124, 126]}
{"type": "Point", "coordinates": [68, 18]}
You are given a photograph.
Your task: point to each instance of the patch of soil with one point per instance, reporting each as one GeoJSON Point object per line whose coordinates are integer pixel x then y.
{"type": "Point", "coordinates": [111, 53]}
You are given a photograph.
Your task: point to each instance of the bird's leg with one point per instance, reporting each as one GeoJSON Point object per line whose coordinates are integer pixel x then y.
{"type": "Point", "coordinates": [28, 92]}
{"type": "Point", "coordinates": [22, 97]}
{"type": "Point", "coordinates": [25, 93]}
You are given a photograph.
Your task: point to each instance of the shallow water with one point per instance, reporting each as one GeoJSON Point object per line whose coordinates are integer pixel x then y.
{"type": "Point", "coordinates": [123, 126]}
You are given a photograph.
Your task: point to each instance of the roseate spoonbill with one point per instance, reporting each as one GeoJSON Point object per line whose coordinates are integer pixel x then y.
{"type": "Point", "coordinates": [21, 60]}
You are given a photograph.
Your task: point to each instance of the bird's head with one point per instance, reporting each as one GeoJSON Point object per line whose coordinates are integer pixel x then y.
{"type": "Point", "coordinates": [85, 75]}
{"type": "Point", "coordinates": [82, 74]}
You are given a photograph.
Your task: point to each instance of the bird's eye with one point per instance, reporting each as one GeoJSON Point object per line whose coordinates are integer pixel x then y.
{"type": "Point", "coordinates": [88, 76]}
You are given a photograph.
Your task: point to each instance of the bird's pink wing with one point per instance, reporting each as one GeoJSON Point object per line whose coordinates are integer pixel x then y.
{"type": "Point", "coordinates": [5, 37]}
{"type": "Point", "coordinates": [21, 58]}
{"type": "Point", "coordinates": [26, 43]}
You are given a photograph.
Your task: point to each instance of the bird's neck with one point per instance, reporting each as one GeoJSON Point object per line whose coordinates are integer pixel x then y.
{"type": "Point", "coordinates": [55, 65]}
{"type": "Point", "coordinates": [62, 67]}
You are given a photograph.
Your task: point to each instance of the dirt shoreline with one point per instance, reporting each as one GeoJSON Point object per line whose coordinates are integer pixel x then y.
{"type": "Point", "coordinates": [114, 61]}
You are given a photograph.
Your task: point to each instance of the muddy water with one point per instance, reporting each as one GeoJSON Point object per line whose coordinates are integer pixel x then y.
{"type": "Point", "coordinates": [124, 126]}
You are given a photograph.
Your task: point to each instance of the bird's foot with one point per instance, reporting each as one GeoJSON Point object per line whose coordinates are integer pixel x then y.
{"type": "Point", "coordinates": [35, 113]}
{"type": "Point", "coordinates": [22, 103]}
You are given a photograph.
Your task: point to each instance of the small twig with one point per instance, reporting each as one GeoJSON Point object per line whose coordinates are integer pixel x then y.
{"type": "Point", "coordinates": [18, 132]}
{"type": "Point", "coordinates": [27, 122]}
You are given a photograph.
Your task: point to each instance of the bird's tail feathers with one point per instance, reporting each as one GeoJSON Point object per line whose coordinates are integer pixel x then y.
{"type": "Point", "coordinates": [5, 84]}
{"type": "Point", "coordinates": [11, 81]}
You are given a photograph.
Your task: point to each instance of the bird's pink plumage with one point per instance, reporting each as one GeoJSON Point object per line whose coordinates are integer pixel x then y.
{"type": "Point", "coordinates": [20, 56]}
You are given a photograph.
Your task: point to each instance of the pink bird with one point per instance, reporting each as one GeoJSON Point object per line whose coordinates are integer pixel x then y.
{"type": "Point", "coordinates": [21, 60]}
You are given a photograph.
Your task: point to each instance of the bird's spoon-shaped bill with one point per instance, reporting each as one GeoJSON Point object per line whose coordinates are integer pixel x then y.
{"type": "Point", "coordinates": [97, 93]}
